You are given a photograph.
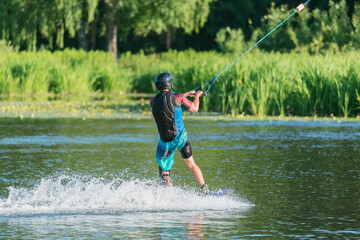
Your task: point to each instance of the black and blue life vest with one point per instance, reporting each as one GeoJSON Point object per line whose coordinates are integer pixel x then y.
{"type": "Point", "coordinates": [167, 112]}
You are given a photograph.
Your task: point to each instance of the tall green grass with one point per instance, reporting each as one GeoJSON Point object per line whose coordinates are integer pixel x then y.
{"type": "Point", "coordinates": [260, 84]}
{"type": "Point", "coordinates": [67, 72]}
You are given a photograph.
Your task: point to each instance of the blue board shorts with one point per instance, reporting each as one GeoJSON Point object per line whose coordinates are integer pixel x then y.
{"type": "Point", "coordinates": [166, 150]}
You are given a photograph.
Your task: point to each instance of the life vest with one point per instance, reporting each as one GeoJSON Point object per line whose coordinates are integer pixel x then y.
{"type": "Point", "coordinates": [168, 115]}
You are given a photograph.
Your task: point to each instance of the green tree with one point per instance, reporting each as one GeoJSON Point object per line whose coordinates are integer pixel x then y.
{"type": "Point", "coordinates": [301, 33]}
{"type": "Point", "coordinates": [355, 35]}
{"type": "Point", "coordinates": [166, 17]}
{"type": "Point", "coordinates": [119, 15]}
{"type": "Point", "coordinates": [77, 16]}
{"type": "Point", "coordinates": [279, 40]}
{"type": "Point", "coordinates": [23, 21]}
{"type": "Point", "coordinates": [231, 40]}
{"type": "Point", "coordinates": [333, 28]}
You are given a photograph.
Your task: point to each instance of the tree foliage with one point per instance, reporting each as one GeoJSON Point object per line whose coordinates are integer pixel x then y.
{"type": "Point", "coordinates": [200, 24]}
{"type": "Point", "coordinates": [158, 15]}
{"type": "Point", "coordinates": [231, 40]}
{"type": "Point", "coordinates": [166, 17]}
{"type": "Point", "coordinates": [25, 22]}
{"type": "Point", "coordinates": [355, 35]}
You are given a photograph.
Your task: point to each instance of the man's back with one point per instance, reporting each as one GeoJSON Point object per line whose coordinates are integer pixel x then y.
{"type": "Point", "coordinates": [163, 109]}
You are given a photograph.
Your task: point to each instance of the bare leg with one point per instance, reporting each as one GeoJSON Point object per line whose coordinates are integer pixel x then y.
{"type": "Point", "coordinates": [196, 171]}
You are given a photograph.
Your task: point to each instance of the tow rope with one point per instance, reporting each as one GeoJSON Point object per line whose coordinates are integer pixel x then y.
{"type": "Point", "coordinates": [298, 9]}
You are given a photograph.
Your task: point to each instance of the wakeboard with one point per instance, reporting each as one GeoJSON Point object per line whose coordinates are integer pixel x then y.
{"type": "Point", "coordinates": [221, 192]}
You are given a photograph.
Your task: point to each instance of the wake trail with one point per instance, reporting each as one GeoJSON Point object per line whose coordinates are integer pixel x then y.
{"type": "Point", "coordinates": [85, 195]}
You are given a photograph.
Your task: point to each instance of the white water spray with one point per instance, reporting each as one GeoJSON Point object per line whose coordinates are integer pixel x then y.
{"type": "Point", "coordinates": [84, 195]}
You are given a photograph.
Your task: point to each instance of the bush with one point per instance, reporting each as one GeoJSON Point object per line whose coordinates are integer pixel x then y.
{"type": "Point", "coordinates": [231, 40]}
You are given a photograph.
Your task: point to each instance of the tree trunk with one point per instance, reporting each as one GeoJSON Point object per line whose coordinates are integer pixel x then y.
{"type": "Point", "coordinates": [168, 37]}
{"type": "Point", "coordinates": [93, 30]}
{"type": "Point", "coordinates": [111, 29]}
{"type": "Point", "coordinates": [111, 36]}
{"type": "Point", "coordinates": [82, 41]}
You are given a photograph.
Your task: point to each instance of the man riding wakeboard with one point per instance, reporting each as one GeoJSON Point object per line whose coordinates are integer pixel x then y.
{"type": "Point", "coordinates": [167, 111]}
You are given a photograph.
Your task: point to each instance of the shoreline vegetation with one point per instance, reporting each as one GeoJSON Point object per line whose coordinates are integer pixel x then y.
{"type": "Point", "coordinates": [135, 107]}
{"type": "Point", "coordinates": [262, 85]}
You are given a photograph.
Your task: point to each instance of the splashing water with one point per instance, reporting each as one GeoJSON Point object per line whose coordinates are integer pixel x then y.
{"type": "Point", "coordinates": [84, 195]}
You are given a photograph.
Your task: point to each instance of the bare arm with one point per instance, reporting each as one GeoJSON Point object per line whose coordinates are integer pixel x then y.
{"type": "Point", "coordinates": [195, 106]}
{"type": "Point", "coordinates": [190, 94]}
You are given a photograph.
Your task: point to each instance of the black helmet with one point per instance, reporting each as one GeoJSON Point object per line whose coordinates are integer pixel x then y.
{"type": "Point", "coordinates": [164, 81]}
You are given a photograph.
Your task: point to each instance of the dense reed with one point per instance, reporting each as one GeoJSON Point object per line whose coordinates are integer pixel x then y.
{"type": "Point", "coordinates": [260, 84]}
{"type": "Point", "coordinates": [61, 72]}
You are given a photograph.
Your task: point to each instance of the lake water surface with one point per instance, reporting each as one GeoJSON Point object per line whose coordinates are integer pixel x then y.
{"type": "Point", "coordinates": [97, 179]}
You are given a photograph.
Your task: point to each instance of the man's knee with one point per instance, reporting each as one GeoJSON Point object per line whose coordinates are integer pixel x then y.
{"type": "Point", "coordinates": [186, 151]}
{"type": "Point", "coordinates": [190, 162]}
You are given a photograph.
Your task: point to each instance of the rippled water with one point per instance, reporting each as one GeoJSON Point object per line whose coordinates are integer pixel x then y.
{"type": "Point", "coordinates": [67, 178]}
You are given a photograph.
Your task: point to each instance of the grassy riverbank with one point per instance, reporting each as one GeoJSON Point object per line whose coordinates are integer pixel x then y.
{"type": "Point", "coordinates": [136, 108]}
{"type": "Point", "coordinates": [260, 84]}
